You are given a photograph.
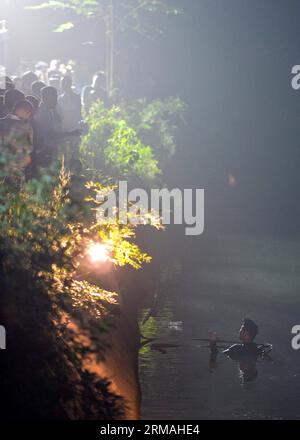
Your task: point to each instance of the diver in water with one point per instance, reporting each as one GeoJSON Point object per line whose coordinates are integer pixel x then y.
{"type": "Point", "coordinates": [247, 334]}
{"type": "Point", "coordinates": [245, 353]}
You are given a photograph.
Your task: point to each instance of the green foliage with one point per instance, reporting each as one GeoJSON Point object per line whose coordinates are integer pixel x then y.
{"type": "Point", "coordinates": [40, 228]}
{"type": "Point", "coordinates": [130, 140]}
{"type": "Point", "coordinates": [128, 154]}
{"type": "Point", "coordinates": [45, 309]}
{"type": "Point", "coordinates": [113, 146]}
{"type": "Point", "coordinates": [50, 307]}
{"type": "Point", "coordinates": [119, 237]}
{"type": "Point", "coordinates": [156, 123]}
{"type": "Point", "coordinates": [64, 27]}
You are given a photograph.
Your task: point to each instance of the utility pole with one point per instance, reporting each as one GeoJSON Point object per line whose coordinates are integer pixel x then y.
{"type": "Point", "coordinates": [4, 37]}
{"type": "Point", "coordinates": [6, 13]}
{"type": "Point", "coordinates": [110, 48]}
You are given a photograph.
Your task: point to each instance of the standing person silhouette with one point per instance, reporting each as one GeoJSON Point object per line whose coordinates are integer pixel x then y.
{"type": "Point", "coordinates": [69, 109]}
{"type": "Point", "coordinates": [48, 131]}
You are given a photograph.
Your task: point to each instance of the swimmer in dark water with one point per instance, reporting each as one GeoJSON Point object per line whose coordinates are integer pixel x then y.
{"type": "Point", "coordinates": [246, 353]}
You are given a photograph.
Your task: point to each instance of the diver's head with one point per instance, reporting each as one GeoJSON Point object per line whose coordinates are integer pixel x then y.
{"type": "Point", "coordinates": [248, 330]}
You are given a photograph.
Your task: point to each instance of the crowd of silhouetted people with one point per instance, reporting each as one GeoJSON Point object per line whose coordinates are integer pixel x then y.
{"type": "Point", "coordinates": [41, 117]}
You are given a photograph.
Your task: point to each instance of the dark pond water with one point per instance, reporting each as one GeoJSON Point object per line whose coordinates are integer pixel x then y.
{"type": "Point", "coordinates": [231, 278]}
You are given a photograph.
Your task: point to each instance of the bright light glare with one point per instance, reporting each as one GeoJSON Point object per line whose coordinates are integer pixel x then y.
{"type": "Point", "coordinates": [98, 253]}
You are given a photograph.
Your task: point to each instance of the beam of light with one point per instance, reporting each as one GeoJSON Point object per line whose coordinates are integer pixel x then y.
{"type": "Point", "coordinates": [98, 253]}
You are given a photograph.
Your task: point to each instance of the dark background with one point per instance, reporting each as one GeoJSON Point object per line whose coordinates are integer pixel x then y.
{"type": "Point", "coordinates": [230, 61]}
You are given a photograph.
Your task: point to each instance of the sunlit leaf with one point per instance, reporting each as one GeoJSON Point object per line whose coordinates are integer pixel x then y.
{"type": "Point", "coordinates": [51, 4]}
{"type": "Point", "coordinates": [64, 27]}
